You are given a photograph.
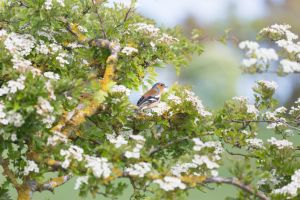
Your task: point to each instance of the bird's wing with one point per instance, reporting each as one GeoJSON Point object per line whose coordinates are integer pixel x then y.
{"type": "Point", "coordinates": [147, 101]}
{"type": "Point", "coordinates": [151, 94]}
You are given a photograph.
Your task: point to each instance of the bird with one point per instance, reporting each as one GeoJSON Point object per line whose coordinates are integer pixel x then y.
{"type": "Point", "coordinates": [152, 97]}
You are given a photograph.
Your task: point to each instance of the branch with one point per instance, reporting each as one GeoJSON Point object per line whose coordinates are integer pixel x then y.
{"type": "Point", "coordinates": [264, 121]}
{"type": "Point", "coordinates": [237, 183]}
{"type": "Point", "coordinates": [240, 154]}
{"type": "Point", "coordinates": [53, 183]}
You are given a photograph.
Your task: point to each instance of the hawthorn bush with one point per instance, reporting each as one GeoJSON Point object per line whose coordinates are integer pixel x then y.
{"type": "Point", "coordinates": [67, 69]}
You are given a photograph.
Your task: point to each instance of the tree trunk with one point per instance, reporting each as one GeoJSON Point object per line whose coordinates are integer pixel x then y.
{"type": "Point", "coordinates": [24, 192]}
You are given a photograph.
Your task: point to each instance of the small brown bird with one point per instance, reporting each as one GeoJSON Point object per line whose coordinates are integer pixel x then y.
{"type": "Point", "coordinates": [152, 97]}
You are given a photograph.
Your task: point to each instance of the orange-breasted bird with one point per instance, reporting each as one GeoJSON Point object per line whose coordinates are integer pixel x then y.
{"type": "Point", "coordinates": [152, 97]}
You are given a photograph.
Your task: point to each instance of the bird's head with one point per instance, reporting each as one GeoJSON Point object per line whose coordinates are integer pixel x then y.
{"type": "Point", "coordinates": [160, 86]}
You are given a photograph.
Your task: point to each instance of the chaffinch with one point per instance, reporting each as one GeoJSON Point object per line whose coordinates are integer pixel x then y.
{"type": "Point", "coordinates": [152, 97]}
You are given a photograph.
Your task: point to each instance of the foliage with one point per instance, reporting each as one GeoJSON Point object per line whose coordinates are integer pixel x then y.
{"type": "Point", "coordinates": [67, 69]}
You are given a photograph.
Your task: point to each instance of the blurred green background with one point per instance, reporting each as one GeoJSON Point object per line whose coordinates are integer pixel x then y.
{"type": "Point", "coordinates": [215, 75]}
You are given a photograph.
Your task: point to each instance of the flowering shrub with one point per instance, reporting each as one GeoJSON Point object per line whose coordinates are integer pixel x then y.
{"type": "Point", "coordinates": [67, 68]}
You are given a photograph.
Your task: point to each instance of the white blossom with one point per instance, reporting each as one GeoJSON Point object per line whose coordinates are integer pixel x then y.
{"type": "Point", "coordinates": [99, 166]}
{"type": "Point", "coordinates": [197, 103]}
{"type": "Point", "coordinates": [255, 143]}
{"type": "Point", "coordinates": [52, 75]}
{"type": "Point", "coordinates": [74, 152]}
{"type": "Point", "coordinates": [3, 33]}
{"type": "Point", "coordinates": [200, 160]}
{"type": "Point", "coordinates": [120, 89]}
{"type": "Point", "coordinates": [138, 169]}
{"type": "Point", "coordinates": [48, 4]}
{"type": "Point", "coordinates": [271, 85]}
{"type": "Point", "coordinates": [169, 183]}
{"type": "Point", "coordinates": [248, 62]}
{"type": "Point", "coordinates": [147, 29]}
{"type": "Point", "coordinates": [280, 144]}
{"type": "Point", "coordinates": [289, 66]}
{"type": "Point", "coordinates": [240, 99]}
{"type": "Point", "coordinates": [167, 39]}
{"type": "Point", "coordinates": [289, 46]}
{"type": "Point", "coordinates": [31, 167]}
{"type": "Point", "coordinates": [290, 189]}
{"type": "Point", "coordinates": [56, 137]}
{"type": "Point", "coordinates": [138, 138]}
{"type": "Point", "coordinates": [80, 180]}
{"type": "Point", "coordinates": [118, 141]}
{"type": "Point", "coordinates": [18, 44]}
{"type": "Point", "coordinates": [13, 137]}
{"type": "Point", "coordinates": [61, 58]}
{"type": "Point", "coordinates": [251, 109]}
{"type": "Point", "coordinates": [281, 30]}
{"type": "Point", "coordinates": [175, 99]}
{"type": "Point", "coordinates": [135, 153]}
{"type": "Point", "coordinates": [182, 168]}
{"type": "Point", "coordinates": [129, 50]}
{"type": "Point", "coordinates": [160, 108]}
{"type": "Point", "coordinates": [42, 48]}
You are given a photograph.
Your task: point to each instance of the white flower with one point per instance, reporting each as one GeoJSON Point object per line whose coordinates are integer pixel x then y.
{"type": "Point", "coordinates": [200, 160]}
{"type": "Point", "coordinates": [129, 50]}
{"type": "Point", "coordinates": [61, 58]}
{"type": "Point", "coordinates": [288, 66]}
{"type": "Point", "coordinates": [48, 4]}
{"type": "Point", "coordinates": [74, 152]}
{"type": "Point", "coordinates": [117, 141]}
{"type": "Point", "coordinates": [281, 30]}
{"type": "Point", "coordinates": [13, 137]}
{"type": "Point", "coordinates": [44, 107]}
{"type": "Point", "coordinates": [120, 89]}
{"type": "Point", "coordinates": [268, 84]}
{"type": "Point", "coordinates": [135, 153]}
{"type": "Point", "coordinates": [251, 109]}
{"type": "Point", "coordinates": [61, 3]}
{"type": "Point", "coordinates": [175, 99]}
{"type": "Point", "coordinates": [42, 48]}
{"type": "Point", "coordinates": [197, 103]}
{"type": "Point", "coordinates": [167, 39]}
{"type": "Point", "coordinates": [138, 169]}
{"type": "Point", "coordinates": [160, 108]}
{"type": "Point", "coordinates": [13, 86]}
{"type": "Point", "coordinates": [82, 29]}
{"type": "Point", "coordinates": [147, 29]}
{"type": "Point", "coordinates": [31, 167]}
{"type": "Point", "coordinates": [52, 75]}
{"type": "Point", "coordinates": [80, 180]}
{"type": "Point", "coordinates": [255, 143]}
{"type": "Point", "coordinates": [248, 45]}
{"type": "Point", "coordinates": [99, 166]}
{"type": "Point", "coordinates": [15, 118]}
{"type": "Point", "coordinates": [56, 137]}
{"type": "Point", "coordinates": [3, 33]}
{"type": "Point", "coordinates": [55, 47]}
{"type": "Point", "coordinates": [290, 189]}
{"type": "Point", "coordinates": [170, 183]}
{"type": "Point", "coordinates": [280, 144]}
{"type": "Point", "coordinates": [18, 44]}
{"type": "Point", "coordinates": [249, 62]}
{"type": "Point", "coordinates": [138, 138]}
{"type": "Point", "coordinates": [289, 46]}
{"type": "Point", "coordinates": [182, 168]}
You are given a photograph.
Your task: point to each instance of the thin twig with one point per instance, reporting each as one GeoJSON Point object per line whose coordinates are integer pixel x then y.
{"type": "Point", "coordinates": [100, 20]}
{"type": "Point", "coordinates": [239, 184]}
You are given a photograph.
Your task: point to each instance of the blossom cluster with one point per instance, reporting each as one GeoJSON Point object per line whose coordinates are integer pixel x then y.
{"type": "Point", "coordinates": [290, 189]}
{"type": "Point", "coordinates": [169, 183]}
{"type": "Point", "coordinates": [99, 166]}
{"type": "Point", "coordinates": [138, 169]}
{"type": "Point", "coordinates": [280, 144]}
{"type": "Point", "coordinates": [31, 167]}
{"type": "Point", "coordinates": [209, 160]}
{"type": "Point", "coordinates": [255, 143]}
{"type": "Point", "coordinates": [284, 39]}
{"type": "Point", "coordinates": [129, 50]}
{"type": "Point", "coordinates": [11, 117]}
{"type": "Point", "coordinates": [120, 89]}
{"type": "Point", "coordinates": [197, 103]}
{"type": "Point", "coordinates": [45, 110]}
{"type": "Point", "coordinates": [135, 152]}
